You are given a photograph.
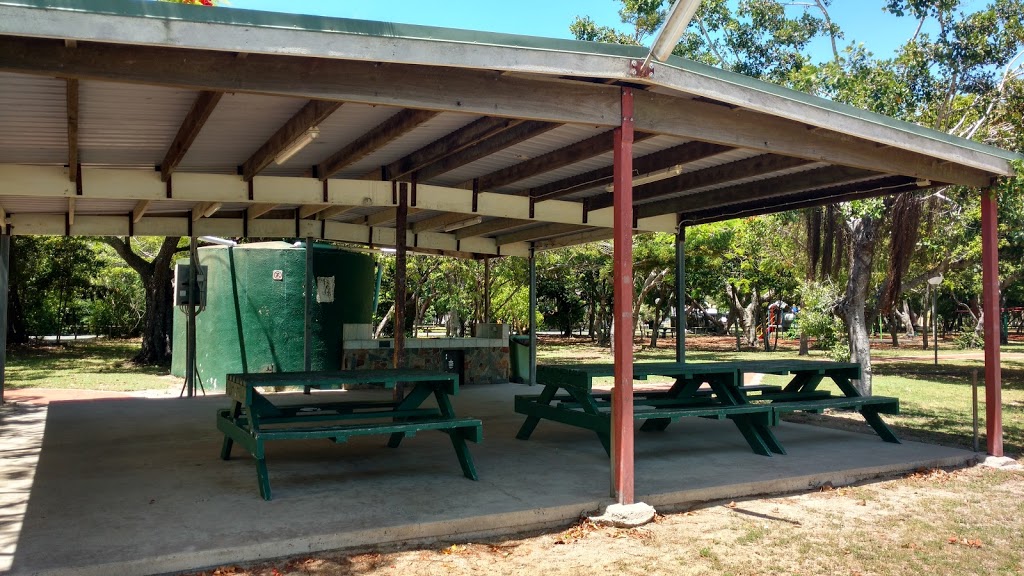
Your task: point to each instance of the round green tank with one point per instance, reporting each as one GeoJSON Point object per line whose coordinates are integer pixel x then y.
{"type": "Point", "coordinates": [254, 319]}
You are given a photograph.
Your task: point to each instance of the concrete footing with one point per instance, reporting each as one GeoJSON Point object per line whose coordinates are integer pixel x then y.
{"type": "Point", "coordinates": [625, 515]}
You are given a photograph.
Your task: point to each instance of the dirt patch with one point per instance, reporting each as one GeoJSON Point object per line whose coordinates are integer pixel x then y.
{"type": "Point", "coordinates": [932, 521]}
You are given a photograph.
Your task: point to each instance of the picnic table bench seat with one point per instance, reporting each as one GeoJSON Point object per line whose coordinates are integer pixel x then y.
{"type": "Point", "coordinates": [253, 419]}
{"type": "Point", "coordinates": [753, 408]}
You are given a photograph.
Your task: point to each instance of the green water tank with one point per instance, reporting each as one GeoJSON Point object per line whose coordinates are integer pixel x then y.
{"type": "Point", "coordinates": [254, 319]}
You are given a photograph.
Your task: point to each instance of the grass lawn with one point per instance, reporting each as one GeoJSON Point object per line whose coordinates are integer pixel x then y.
{"type": "Point", "coordinates": [94, 364]}
{"type": "Point", "coordinates": [935, 401]}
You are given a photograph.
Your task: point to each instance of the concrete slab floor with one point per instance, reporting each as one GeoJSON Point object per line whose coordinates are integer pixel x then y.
{"type": "Point", "coordinates": [136, 486]}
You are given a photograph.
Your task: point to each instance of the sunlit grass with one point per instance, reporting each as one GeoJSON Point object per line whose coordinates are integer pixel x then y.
{"type": "Point", "coordinates": [100, 364]}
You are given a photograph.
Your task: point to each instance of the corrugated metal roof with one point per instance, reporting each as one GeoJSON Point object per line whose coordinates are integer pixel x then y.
{"type": "Point", "coordinates": [537, 146]}
{"type": "Point", "coordinates": [348, 123]}
{"type": "Point", "coordinates": [129, 124]}
{"type": "Point", "coordinates": [33, 120]}
{"type": "Point", "coordinates": [239, 125]}
{"type": "Point", "coordinates": [431, 130]}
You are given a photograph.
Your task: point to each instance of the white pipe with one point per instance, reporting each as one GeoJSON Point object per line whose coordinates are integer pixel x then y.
{"type": "Point", "coordinates": [216, 240]}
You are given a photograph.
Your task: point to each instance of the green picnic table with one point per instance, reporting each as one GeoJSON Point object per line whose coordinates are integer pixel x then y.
{"type": "Point", "coordinates": [753, 409]}
{"type": "Point", "coordinates": [254, 419]}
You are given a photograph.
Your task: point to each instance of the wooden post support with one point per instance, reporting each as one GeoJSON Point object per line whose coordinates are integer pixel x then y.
{"type": "Point", "coordinates": [401, 225]}
{"type": "Point", "coordinates": [681, 295]}
{"type": "Point", "coordinates": [622, 394]}
{"type": "Point", "coordinates": [990, 294]}
{"type": "Point", "coordinates": [533, 317]}
{"type": "Point", "coordinates": [5, 268]}
{"type": "Point", "coordinates": [487, 290]}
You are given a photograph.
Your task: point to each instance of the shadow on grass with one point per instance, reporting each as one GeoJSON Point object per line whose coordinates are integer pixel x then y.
{"type": "Point", "coordinates": [1012, 372]}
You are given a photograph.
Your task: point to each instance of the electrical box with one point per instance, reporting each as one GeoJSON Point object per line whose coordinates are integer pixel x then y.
{"type": "Point", "coordinates": [181, 286]}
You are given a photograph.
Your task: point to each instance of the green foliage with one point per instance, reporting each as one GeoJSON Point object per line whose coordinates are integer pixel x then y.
{"type": "Point", "coordinates": [817, 318]}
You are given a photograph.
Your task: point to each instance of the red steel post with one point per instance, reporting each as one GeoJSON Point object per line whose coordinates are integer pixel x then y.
{"type": "Point", "coordinates": [622, 396]}
{"type": "Point", "coordinates": [990, 294]}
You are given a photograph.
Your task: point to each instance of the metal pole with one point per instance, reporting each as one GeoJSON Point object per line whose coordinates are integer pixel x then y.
{"type": "Point", "coordinates": [307, 324]}
{"type": "Point", "coordinates": [935, 323]}
{"type": "Point", "coordinates": [622, 274]}
{"type": "Point", "coordinates": [401, 224]}
{"type": "Point", "coordinates": [533, 317]}
{"type": "Point", "coordinates": [681, 295]}
{"type": "Point", "coordinates": [190, 332]}
{"type": "Point", "coordinates": [990, 290]}
{"type": "Point", "coordinates": [5, 269]}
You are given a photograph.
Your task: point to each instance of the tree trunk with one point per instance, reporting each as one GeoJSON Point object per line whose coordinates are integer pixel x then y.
{"type": "Point", "coordinates": [156, 280]}
{"type": "Point", "coordinates": [862, 251]}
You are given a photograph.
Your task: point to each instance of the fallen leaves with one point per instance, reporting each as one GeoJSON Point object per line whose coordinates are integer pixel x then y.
{"type": "Point", "coordinates": [453, 549]}
{"type": "Point", "coordinates": [577, 532]}
{"type": "Point", "coordinates": [969, 542]}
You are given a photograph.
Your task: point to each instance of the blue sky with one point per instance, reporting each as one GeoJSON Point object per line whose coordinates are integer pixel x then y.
{"type": "Point", "coordinates": [862, 20]}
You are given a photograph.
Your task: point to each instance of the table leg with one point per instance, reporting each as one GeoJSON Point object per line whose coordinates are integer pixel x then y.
{"type": "Point", "coordinates": [419, 393]}
{"type": "Point", "coordinates": [546, 396]}
{"type": "Point", "coordinates": [760, 439]}
{"type": "Point", "coordinates": [683, 388]}
{"type": "Point", "coordinates": [804, 382]}
{"type": "Point", "coordinates": [880, 427]}
{"type": "Point", "coordinates": [254, 413]}
{"type": "Point", "coordinates": [225, 449]}
{"type": "Point", "coordinates": [263, 478]}
{"type": "Point", "coordinates": [603, 429]}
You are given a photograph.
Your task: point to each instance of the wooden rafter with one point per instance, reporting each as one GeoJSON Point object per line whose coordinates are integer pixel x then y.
{"type": "Point", "coordinates": [384, 216]}
{"type": "Point", "coordinates": [205, 210]}
{"type": "Point", "coordinates": [543, 231]}
{"type": "Point", "coordinates": [72, 106]}
{"type": "Point", "coordinates": [443, 147]}
{"type": "Point", "coordinates": [392, 128]}
{"type": "Point", "coordinates": [809, 199]}
{"type": "Point", "coordinates": [565, 156]}
{"type": "Point", "coordinates": [439, 221]}
{"type": "Point", "coordinates": [590, 235]}
{"type": "Point", "coordinates": [72, 201]}
{"type": "Point", "coordinates": [312, 209]}
{"type": "Point", "coordinates": [254, 211]}
{"type": "Point", "coordinates": [484, 148]}
{"type": "Point", "coordinates": [741, 169]}
{"type": "Point", "coordinates": [313, 113]}
{"type": "Point", "coordinates": [334, 211]}
{"type": "Point", "coordinates": [759, 190]}
{"type": "Point", "coordinates": [490, 227]}
{"type": "Point", "coordinates": [193, 123]}
{"type": "Point", "coordinates": [682, 154]}
{"type": "Point", "coordinates": [140, 210]}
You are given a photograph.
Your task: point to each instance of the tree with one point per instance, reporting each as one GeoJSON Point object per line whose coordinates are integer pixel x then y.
{"type": "Point", "coordinates": [156, 275]}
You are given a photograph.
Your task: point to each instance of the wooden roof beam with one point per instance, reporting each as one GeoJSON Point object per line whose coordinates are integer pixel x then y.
{"type": "Point", "coordinates": [313, 113]}
{"type": "Point", "coordinates": [312, 210]}
{"type": "Point", "coordinates": [140, 210]}
{"type": "Point", "coordinates": [681, 154]}
{"type": "Point", "coordinates": [334, 211]}
{"type": "Point", "coordinates": [72, 108]}
{"type": "Point", "coordinates": [71, 210]}
{"type": "Point", "coordinates": [713, 176]}
{"type": "Point", "coordinates": [201, 110]}
{"type": "Point", "coordinates": [484, 148]}
{"type": "Point", "coordinates": [394, 127]}
{"type": "Point", "coordinates": [384, 216]}
{"type": "Point", "coordinates": [440, 221]}
{"type": "Point", "coordinates": [490, 227]}
{"type": "Point", "coordinates": [443, 147]}
{"type": "Point", "coordinates": [544, 231]}
{"type": "Point", "coordinates": [809, 199]}
{"type": "Point", "coordinates": [565, 156]}
{"type": "Point", "coordinates": [205, 210]}
{"type": "Point", "coordinates": [254, 211]}
{"type": "Point", "coordinates": [757, 191]}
